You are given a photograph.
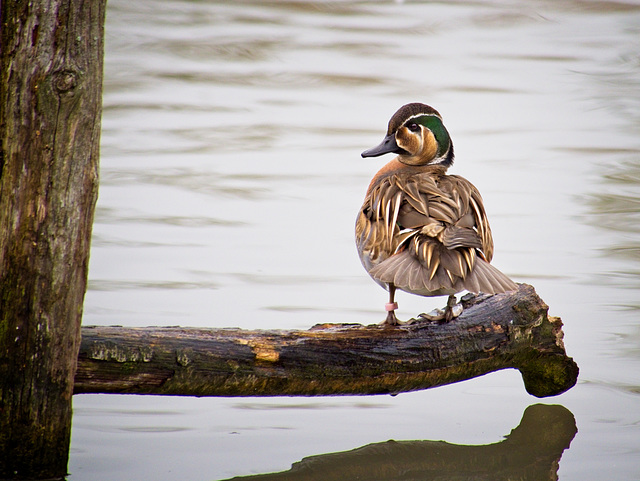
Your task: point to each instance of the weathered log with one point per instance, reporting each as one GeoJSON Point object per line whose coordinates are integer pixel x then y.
{"type": "Point", "coordinates": [494, 332]}
{"type": "Point", "coordinates": [51, 55]}
{"type": "Point", "coordinates": [531, 452]}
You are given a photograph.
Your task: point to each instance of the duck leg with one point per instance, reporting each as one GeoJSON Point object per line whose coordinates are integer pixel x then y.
{"type": "Point", "coordinates": [391, 307]}
{"type": "Point", "coordinates": [450, 312]}
{"type": "Point", "coordinates": [453, 309]}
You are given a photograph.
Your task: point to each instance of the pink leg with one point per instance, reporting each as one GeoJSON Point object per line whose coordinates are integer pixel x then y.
{"type": "Point", "coordinates": [391, 307]}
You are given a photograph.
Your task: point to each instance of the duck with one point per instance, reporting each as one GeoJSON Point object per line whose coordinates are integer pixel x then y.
{"type": "Point", "coordinates": [421, 230]}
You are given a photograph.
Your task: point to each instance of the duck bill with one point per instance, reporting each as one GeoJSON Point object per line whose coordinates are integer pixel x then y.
{"type": "Point", "coordinates": [388, 145]}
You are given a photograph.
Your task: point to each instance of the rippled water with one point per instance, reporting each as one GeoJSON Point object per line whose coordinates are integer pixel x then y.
{"type": "Point", "coordinates": [230, 180]}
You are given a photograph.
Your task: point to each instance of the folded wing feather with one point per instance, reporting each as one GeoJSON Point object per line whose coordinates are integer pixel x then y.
{"type": "Point", "coordinates": [400, 242]}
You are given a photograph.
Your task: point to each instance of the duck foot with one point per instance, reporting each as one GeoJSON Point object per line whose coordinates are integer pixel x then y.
{"type": "Point", "coordinates": [447, 314]}
{"type": "Point", "coordinates": [391, 319]}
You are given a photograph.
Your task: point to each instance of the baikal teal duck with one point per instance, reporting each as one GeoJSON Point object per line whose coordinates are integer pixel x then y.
{"type": "Point", "coordinates": [419, 229]}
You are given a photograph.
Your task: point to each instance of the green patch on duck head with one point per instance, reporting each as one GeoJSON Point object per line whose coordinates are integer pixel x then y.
{"type": "Point", "coordinates": [435, 125]}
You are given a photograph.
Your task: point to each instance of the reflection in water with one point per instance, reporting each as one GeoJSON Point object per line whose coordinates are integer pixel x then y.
{"type": "Point", "coordinates": [531, 452]}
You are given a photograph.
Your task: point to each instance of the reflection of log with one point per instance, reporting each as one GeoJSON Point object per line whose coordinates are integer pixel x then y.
{"type": "Point", "coordinates": [498, 332]}
{"type": "Point", "coordinates": [530, 453]}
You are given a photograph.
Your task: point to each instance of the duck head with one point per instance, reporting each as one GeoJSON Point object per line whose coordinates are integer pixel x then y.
{"type": "Point", "coordinates": [416, 133]}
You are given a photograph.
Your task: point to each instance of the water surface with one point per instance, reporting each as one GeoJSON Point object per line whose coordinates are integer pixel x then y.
{"type": "Point", "coordinates": [230, 180]}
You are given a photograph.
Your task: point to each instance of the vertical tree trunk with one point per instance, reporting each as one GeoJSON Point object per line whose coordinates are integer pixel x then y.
{"type": "Point", "coordinates": [50, 106]}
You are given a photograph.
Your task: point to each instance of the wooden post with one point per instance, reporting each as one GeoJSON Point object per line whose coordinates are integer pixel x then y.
{"type": "Point", "coordinates": [50, 107]}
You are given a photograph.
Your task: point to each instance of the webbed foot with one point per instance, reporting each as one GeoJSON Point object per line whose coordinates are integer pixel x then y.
{"type": "Point", "coordinates": [450, 312]}
{"type": "Point", "coordinates": [391, 319]}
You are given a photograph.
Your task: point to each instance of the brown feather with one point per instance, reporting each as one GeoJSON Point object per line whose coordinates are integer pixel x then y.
{"type": "Point", "coordinates": [427, 232]}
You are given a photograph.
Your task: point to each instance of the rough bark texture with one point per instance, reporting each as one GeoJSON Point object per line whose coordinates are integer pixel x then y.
{"type": "Point", "coordinates": [494, 332]}
{"type": "Point", "coordinates": [531, 452]}
{"type": "Point", "coordinates": [50, 108]}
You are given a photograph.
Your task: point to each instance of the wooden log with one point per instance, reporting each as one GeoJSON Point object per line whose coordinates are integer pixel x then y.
{"type": "Point", "coordinates": [531, 452]}
{"type": "Point", "coordinates": [494, 332]}
{"type": "Point", "coordinates": [51, 59]}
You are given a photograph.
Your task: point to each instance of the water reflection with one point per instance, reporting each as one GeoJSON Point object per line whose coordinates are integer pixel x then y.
{"type": "Point", "coordinates": [532, 451]}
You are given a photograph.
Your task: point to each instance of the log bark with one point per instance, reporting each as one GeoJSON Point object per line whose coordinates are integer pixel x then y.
{"type": "Point", "coordinates": [531, 452]}
{"type": "Point", "coordinates": [50, 107]}
{"type": "Point", "coordinates": [494, 332]}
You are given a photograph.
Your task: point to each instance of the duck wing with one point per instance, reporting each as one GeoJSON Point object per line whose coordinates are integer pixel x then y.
{"type": "Point", "coordinates": [428, 233]}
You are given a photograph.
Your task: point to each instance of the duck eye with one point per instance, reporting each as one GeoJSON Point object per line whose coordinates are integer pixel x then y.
{"type": "Point", "coordinates": [413, 127]}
